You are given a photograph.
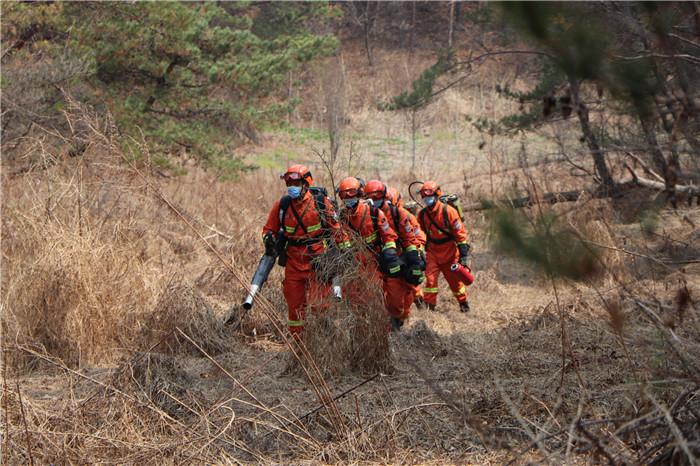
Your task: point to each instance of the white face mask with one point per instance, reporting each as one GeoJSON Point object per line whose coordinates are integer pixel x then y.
{"type": "Point", "coordinates": [429, 201]}
{"type": "Point", "coordinates": [351, 203]}
{"type": "Point", "coordinates": [377, 202]}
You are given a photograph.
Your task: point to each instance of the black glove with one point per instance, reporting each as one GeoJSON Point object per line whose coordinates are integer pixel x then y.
{"type": "Point", "coordinates": [414, 275]}
{"type": "Point", "coordinates": [389, 262]}
{"type": "Point", "coordinates": [464, 254]}
{"type": "Point", "coordinates": [412, 257]}
{"type": "Point", "coordinates": [413, 272]}
{"type": "Point", "coordinates": [270, 244]}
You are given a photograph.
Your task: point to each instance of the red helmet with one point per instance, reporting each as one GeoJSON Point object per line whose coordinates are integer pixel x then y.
{"type": "Point", "coordinates": [375, 189]}
{"type": "Point", "coordinates": [350, 187]}
{"type": "Point", "coordinates": [394, 197]}
{"type": "Point", "coordinates": [430, 188]}
{"type": "Point", "coordinates": [298, 172]}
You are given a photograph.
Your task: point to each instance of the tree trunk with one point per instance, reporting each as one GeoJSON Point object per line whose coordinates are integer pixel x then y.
{"type": "Point", "coordinates": [367, 30]}
{"type": "Point", "coordinates": [413, 140]}
{"type": "Point", "coordinates": [695, 6]}
{"type": "Point", "coordinates": [412, 41]}
{"type": "Point", "coordinates": [656, 155]}
{"type": "Point", "coordinates": [607, 182]}
{"type": "Point", "coordinates": [450, 28]}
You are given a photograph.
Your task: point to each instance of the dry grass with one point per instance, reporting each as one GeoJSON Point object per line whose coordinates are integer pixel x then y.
{"type": "Point", "coordinates": [351, 335]}
{"type": "Point", "coordinates": [99, 276]}
{"type": "Point", "coordinates": [182, 306]}
{"type": "Point", "coordinates": [72, 294]}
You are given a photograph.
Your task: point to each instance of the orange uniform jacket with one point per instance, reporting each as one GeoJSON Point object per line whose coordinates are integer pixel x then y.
{"type": "Point", "coordinates": [304, 241]}
{"type": "Point", "coordinates": [441, 249]}
{"type": "Point", "coordinates": [360, 220]}
{"type": "Point", "coordinates": [441, 246]}
{"type": "Point", "coordinates": [398, 295]}
{"type": "Point", "coordinates": [399, 221]}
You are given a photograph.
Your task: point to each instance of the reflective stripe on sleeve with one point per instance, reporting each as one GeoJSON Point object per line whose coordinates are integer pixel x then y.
{"type": "Point", "coordinates": [389, 244]}
{"type": "Point", "coordinates": [430, 290]}
{"type": "Point", "coordinates": [295, 323]}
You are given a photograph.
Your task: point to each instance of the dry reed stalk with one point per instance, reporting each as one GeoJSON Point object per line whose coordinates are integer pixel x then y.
{"type": "Point", "coordinates": [297, 348]}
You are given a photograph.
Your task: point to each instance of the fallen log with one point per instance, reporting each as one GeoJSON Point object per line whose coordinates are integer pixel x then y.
{"type": "Point", "coordinates": [689, 192]}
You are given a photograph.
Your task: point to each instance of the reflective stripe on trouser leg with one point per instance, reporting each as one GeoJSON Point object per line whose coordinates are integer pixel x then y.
{"type": "Point", "coordinates": [430, 288]}
{"type": "Point", "coordinates": [294, 288]}
{"type": "Point", "coordinates": [459, 289]}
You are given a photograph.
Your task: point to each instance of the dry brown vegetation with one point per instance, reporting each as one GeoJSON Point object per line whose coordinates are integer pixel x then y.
{"type": "Point", "coordinates": [114, 348]}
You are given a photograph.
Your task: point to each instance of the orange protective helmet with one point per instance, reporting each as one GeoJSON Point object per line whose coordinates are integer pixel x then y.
{"type": "Point", "coordinates": [375, 189]}
{"type": "Point", "coordinates": [394, 197]}
{"type": "Point", "coordinates": [350, 187]}
{"type": "Point", "coordinates": [430, 188]}
{"type": "Point", "coordinates": [298, 172]}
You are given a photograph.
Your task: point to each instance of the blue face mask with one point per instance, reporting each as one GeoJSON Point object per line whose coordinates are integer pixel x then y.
{"type": "Point", "coordinates": [377, 203]}
{"type": "Point", "coordinates": [294, 191]}
{"type": "Point", "coordinates": [429, 201]}
{"type": "Point", "coordinates": [351, 203]}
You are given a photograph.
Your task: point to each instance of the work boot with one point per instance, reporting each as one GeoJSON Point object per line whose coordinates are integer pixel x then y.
{"type": "Point", "coordinates": [419, 302]}
{"type": "Point", "coordinates": [464, 307]}
{"type": "Point", "coordinates": [396, 324]}
{"type": "Point", "coordinates": [431, 307]}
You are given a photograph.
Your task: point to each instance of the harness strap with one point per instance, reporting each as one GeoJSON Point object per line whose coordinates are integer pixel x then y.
{"type": "Point", "coordinates": [450, 237]}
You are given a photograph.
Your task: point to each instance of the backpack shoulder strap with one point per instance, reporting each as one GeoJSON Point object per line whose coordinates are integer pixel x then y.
{"type": "Point", "coordinates": [285, 202]}
{"type": "Point", "coordinates": [397, 218]}
{"type": "Point", "coordinates": [395, 215]}
{"type": "Point", "coordinates": [320, 202]}
{"type": "Point", "coordinates": [373, 214]}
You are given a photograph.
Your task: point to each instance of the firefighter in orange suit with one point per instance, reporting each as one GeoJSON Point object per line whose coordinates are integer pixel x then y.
{"type": "Point", "coordinates": [394, 198]}
{"type": "Point", "coordinates": [301, 226]}
{"type": "Point", "coordinates": [400, 293]}
{"type": "Point", "coordinates": [372, 226]}
{"type": "Point", "coordinates": [446, 244]}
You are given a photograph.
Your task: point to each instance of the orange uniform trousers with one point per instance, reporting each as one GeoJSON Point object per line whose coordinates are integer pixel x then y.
{"type": "Point", "coordinates": [398, 296]}
{"type": "Point", "coordinates": [301, 288]}
{"type": "Point", "coordinates": [436, 263]}
{"type": "Point", "coordinates": [396, 293]}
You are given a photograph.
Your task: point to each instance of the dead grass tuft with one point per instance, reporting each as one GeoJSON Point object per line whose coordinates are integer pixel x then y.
{"type": "Point", "coordinates": [181, 306]}
{"type": "Point", "coordinates": [589, 221]}
{"type": "Point", "coordinates": [74, 295]}
{"type": "Point", "coordinates": [345, 337]}
{"type": "Point", "coordinates": [158, 379]}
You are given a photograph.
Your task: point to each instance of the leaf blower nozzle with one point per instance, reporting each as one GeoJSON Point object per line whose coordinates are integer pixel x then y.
{"type": "Point", "coordinates": [337, 290]}
{"type": "Point", "coordinates": [248, 303]}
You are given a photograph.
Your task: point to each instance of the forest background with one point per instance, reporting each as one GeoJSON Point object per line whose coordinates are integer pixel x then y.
{"type": "Point", "coordinates": [141, 148]}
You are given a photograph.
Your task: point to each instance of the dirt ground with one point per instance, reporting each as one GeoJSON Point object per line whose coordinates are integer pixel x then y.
{"type": "Point", "coordinates": [486, 387]}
